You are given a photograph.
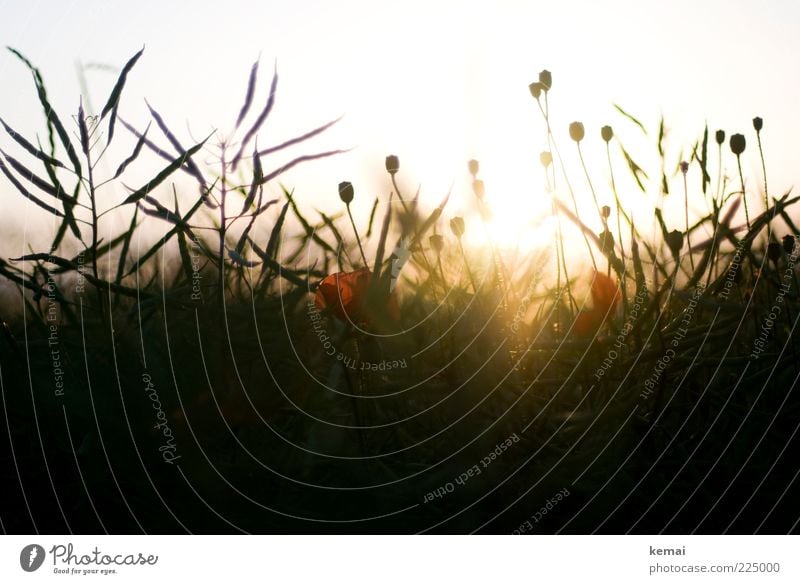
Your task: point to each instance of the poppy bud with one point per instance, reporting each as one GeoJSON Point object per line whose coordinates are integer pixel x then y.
{"type": "Point", "coordinates": [720, 137]}
{"type": "Point", "coordinates": [576, 131]}
{"type": "Point", "coordinates": [605, 211]}
{"type": "Point", "coordinates": [684, 167]}
{"type": "Point", "coordinates": [437, 242]}
{"type": "Point", "coordinates": [546, 79]}
{"type": "Point", "coordinates": [774, 252]}
{"type": "Point", "coordinates": [607, 133]}
{"type": "Point", "coordinates": [346, 192]}
{"type": "Point", "coordinates": [674, 241]}
{"type": "Point", "coordinates": [788, 243]}
{"type": "Point", "coordinates": [392, 164]}
{"type": "Point", "coordinates": [546, 158]}
{"type": "Point", "coordinates": [606, 242]}
{"type": "Point", "coordinates": [473, 167]}
{"type": "Point", "coordinates": [535, 89]}
{"type": "Point", "coordinates": [457, 226]}
{"type": "Point", "coordinates": [479, 188]}
{"type": "Point", "coordinates": [758, 123]}
{"type": "Point", "coordinates": [737, 144]}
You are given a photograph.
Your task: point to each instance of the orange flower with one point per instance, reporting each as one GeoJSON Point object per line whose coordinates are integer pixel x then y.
{"type": "Point", "coordinates": [344, 295]}
{"type": "Point", "coordinates": [605, 297]}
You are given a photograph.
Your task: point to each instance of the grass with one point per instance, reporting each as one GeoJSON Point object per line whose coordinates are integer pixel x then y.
{"type": "Point", "coordinates": [224, 380]}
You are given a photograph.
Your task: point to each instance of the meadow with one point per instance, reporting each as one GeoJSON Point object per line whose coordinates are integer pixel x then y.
{"type": "Point", "coordinates": [264, 367]}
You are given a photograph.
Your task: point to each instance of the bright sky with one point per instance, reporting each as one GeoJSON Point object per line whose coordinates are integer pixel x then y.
{"type": "Point", "coordinates": [435, 82]}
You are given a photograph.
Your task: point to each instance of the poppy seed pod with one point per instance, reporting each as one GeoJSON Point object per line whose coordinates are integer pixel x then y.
{"type": "Point", "coordinates": [737, 144]}
{"type": "Point", "coordinates": [479, 188]}
{"type": "Point", "coordinates": [605, 211]}
{"type": "Point", "coordinates": [684, 167]}
{"type": "Point", "coordinates": [346, 192]}
{"type": "Point", "coordinates": [758, 123]}
{"type": "Point", "coordinates": [392, 164]}
{"type": "Point", "coordinates": [546, 79]}
{"type": "Point", "coordinates": [720, 137]}
{"type": "Point", "coordinates": [607, 133]}
{"type": "Point", "coordinates": [774, 252]}
{"type": "Point", "coordinates": [674, 241]}
{"type": "Point", "coordinates": [788, 243]}
{"type": "Point", "coordinates": [474, 167]}
{"type": "Point", "coordinates": [535, 89]}
{"type": "Point", "coordinates": [606, 242]}
{"type": "Point", "coordinates": [576, 131]}
{"type": "Point", "coordinates": [546, 158]}
{"type": "Point", "coordinates": [457, 226]}
{"type": "Point", "coordinates": [437, 242]}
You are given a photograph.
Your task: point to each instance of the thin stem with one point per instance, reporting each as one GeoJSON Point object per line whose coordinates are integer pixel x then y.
{"type": "Point", "coordinates": [551, 139]}
{"type": "Point", "coordinates": [588, 179]}
{"type": "Point", "coordinates": [620, 212]}
{"type": "Point", "coordinates": [358, 239]}
{"type": "Point", "coordinates": [686, 215]}
{"type": "Point", "coordinates": [466, 265]}
{"type": "Point", "coordinates": [763, 170]}
{"type": "Point", "coordinates": [744, 195]}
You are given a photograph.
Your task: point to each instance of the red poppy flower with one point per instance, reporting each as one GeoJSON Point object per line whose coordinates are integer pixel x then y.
{"type": "Point", "coordinates": [605, 297]}
{"type": "Point", "coordinates": [344, 295]}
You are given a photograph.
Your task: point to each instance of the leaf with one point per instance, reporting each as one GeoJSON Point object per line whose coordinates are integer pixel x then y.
{"type": "Point", "coordinates": [190, 165]}
{"type": "Point", "coordinates": [299, 139]}
{"type": "Point", "coordinates": [125, 247]}
{"type": "Point", "coordinates": [25, 193]}
{"type": "Point", "coordinates": [33, 179]}
{"type": "Point", "coordinates": [298, 160]}
{"type": "Point", "coordinates": [30, 147]}
{"type": "Point", "coordinates": [53, 120]}
{"type": "Point", "coordinates": [248, 98]}
{"type": "Point", "coordinates": [183, 225]}
{"type": "Point", "coordinates": [272, 243]}
{"type": "Point", "coordinates": [82, 129]}
{"type": "Point", "coordinates": [635, 169]}
{"type": "Point", "coordinates": [134, 155]}
{"type": "Point", "coordinates": [372, 217]}
{"type": "Point", "coordinates": [261, 118]}
{"type": "Point", "coordinates": [631, 118]}
{"type": "Point", "coordinates": [113, 100]}
{"type": "Point", "coordinates": [161, 176]}
{"type": "Point", "coordinates": [258, 174]}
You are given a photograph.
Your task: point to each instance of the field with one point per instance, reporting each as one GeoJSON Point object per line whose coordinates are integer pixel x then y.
{"type": "Point", "coordinates": [263, 367]}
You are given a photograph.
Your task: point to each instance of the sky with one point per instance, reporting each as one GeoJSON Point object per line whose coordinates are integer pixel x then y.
{"type": "Point", "coordinates": [436, 83]}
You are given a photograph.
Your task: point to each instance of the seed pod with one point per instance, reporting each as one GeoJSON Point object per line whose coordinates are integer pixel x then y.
{"type": "Point", "coordinates": [457, 226]}
{"type": "Point", "coordinates": [758, 123]}
{"type": "Point", "coordinates": [346, 192]}
{"type": "Point", "coordinates": [774, 252]}
{"type": "Point", "coordinates": [479, 188]}
{"type": "Point", "coordinates": [546, 158]}
{"type": "Point", "coordinates": [536, 89]}
{"type": "Point", "coordinates": [788, 243]}
{"type": "Point", "coordinates": [392, 164]}
{"type": "Point", "coordinates": [720, 137]}
{"type": "Point", "coordinates": [606, 242]}
{"type": "Point", "coordinates": [737, 144]}
{"type": "Point", "coordinates": [437, 242]}
{"type": "Point", "coordinates": [684, 167]}
{"type": "Point", "coordinates": [605, 211]}
{"type": "Point", "coordinates": [674, 241]}
{"type": "Point", "coordinates": [576, 131]}
{"type": "Point", "coordinates": [607, 133]}
{"type": "Point", "coordinates": [473, 166]}
{"type": "Point", "coordinates": [546, 79]}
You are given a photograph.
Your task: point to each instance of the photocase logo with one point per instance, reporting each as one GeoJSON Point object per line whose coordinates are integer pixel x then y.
{"type": "Point", "coordinates": [31, 557]}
